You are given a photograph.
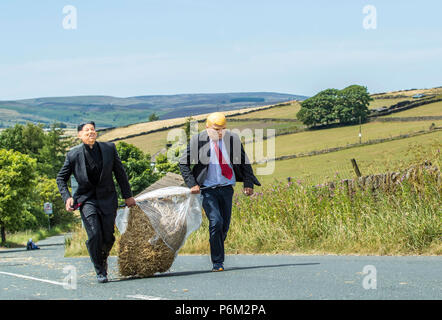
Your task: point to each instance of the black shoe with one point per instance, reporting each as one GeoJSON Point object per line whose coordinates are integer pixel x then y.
{"type": "Point", "coordinates": [218, 267]}
{"type": "Point", "coordinates": [101, 278]}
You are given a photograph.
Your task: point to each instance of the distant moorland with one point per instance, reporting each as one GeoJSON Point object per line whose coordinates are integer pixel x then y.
{"type": "Point", "coordinates": [116, 112]}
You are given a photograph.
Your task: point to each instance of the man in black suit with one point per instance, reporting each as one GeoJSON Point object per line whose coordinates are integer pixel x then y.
{"type": "Point", "coordinates": [92, 164]}
{"type": "Point", "coordinates": [219, 161]}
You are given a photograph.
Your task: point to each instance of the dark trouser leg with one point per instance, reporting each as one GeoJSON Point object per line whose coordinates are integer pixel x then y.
{"type": "Point", "coordinates": [108, 228]}
{"type": "Point", "coordinates": [226, 209]}
{"type": "Point", "coordinates": [91, 222]}
{"type": "Point", "coordinates": [217, 204]}
{"type": "Point", "coordinates": [100, 232]}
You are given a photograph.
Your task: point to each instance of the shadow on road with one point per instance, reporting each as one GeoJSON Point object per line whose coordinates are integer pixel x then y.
{"type": "Point", "coordinates": [12, 250]}
{"type": "Point", "coordinates": [44, 247]}
{"type": "Point", "coordinates": [23, 248]}
{"type": "Point", "coordinates": [189, 273]}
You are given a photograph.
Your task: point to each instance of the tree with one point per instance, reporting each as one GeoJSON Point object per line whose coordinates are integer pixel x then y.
{"type": "Point", "coordinates": [153, 117]}
{"type": "Point", "coordinates": [52, 154]}
{"type": "Point", "coordinates": [27, 139]}
{"type": "Point", "coordinates": [332, 105]}
{"type": "Point", "coordinates": [138, 167]}
{"type": "Point", "coordinates": [188, 128]}
{"type": "Point", "coordinates": [17, 172]}
{"type": "Point", "coordinates": [163, 165]}
{"type": "Point", "coordinates": [48, 148]}
{"type": "Point", "coordinates": [46, 190]}
{"type": "Point", "coordinates": [354, 101]}
{"type": "Point", "coordinates": [319, 108]}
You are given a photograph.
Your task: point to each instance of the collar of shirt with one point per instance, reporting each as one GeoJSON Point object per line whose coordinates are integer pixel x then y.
{"type": "Point", "coordinates": [94, 146]}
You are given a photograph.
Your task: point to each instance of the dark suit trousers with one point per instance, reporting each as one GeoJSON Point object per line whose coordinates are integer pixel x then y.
{"type": "Point", "coordinates": [100, 232]}
{"type": "Point", "coordinates": [217, 204]}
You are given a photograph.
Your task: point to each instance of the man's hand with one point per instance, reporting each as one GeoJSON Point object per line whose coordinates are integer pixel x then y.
{"type": "Point", "coordinates": [130, 202]}
{"type": "Point", "coordinates": [248, 191]}
{"type": "Point", "coordinates": [70, 204]}
{"type": "Point", "coordinates": [195, 189]}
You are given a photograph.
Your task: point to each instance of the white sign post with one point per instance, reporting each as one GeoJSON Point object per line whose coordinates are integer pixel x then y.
{"type": "Point", "coordinates": [47, 206]}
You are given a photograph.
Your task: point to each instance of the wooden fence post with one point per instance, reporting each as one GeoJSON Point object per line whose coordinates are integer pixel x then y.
{"type": "Point", "coordinates": [355, 167]}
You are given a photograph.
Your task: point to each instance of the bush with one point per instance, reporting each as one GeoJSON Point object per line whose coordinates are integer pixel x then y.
{"type": "Point", "coordinates": [344, 106]}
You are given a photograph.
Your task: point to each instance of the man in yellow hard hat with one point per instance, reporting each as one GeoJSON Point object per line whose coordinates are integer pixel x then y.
{"type": "Point", "coordinates": [219, 161]}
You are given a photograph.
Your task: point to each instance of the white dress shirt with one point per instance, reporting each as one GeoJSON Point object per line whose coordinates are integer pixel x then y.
{"type": "Point", "coordinates": [214, 175]}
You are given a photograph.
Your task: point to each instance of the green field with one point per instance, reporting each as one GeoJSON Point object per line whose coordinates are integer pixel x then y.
{"type": "Point", "coordinates": [378, 103]}
{"type": "Point", "coordinates": [282, 112]}
{"type": "Point", "coordinates": [315, 140]}
{"type": "Point", "coordinates": [309, 140]}
{"type": "Point", "coordinates": [150, 143]}
{"type": "Point", "coordinates": [432, 109]}
{"type": "Point", "coordinates": [156, 141]}
{"type": "Point", "coordinates": [377, 158]}
{"type": "Point", "coordinates": [320, 166]}
{"type": "Point", "coordinates": [338, 137]}
{"type": "Point", "coordinates": [300, 142]}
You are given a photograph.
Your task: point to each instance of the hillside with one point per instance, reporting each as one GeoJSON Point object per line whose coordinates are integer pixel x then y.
{"type": "Point", "coordinates": [316, 154]}
{"type": "Point", "coordinates": [407, 93]}
{"type": "Point", "coordinates": [143, 128]}
{"type": "Point", "coordinates": [116, 112]}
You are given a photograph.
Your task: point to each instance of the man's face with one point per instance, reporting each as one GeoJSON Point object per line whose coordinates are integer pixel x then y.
{"type": "Point", "coordinates": [216, 132]}
{"type": "Point", "coordinates": [88, 134]}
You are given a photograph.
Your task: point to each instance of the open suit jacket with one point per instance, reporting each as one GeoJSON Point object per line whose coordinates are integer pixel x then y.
{"type": "Point", "coordinates": [105, 192]}
{"type": "Point", "coordinates": [197, 154]}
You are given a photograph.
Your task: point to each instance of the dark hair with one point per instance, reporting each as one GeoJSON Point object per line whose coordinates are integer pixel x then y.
{"type": "Point", "coordinates": [80, 126]}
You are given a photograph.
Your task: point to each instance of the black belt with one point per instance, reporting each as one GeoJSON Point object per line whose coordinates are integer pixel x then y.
{"type": "Point", "coordinates": [215, 186]}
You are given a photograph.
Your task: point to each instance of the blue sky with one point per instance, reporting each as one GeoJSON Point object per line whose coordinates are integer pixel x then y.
{"type": "Point", "coordinates": [128, 48]}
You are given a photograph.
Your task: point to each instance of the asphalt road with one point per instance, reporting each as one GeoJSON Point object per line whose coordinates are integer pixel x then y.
{"type": "Point", "coordinates": [47, 274]}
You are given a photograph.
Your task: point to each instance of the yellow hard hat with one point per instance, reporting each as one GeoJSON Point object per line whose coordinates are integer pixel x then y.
{"type": "Point", "coordinates": [216, 119]}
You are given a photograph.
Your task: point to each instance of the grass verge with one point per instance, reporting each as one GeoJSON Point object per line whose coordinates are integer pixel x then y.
{"type": "Point", "coordinates": [19, 239]}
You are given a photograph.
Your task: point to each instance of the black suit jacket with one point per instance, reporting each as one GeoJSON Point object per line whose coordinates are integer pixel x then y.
{"type": "Point", "coordinates": [105, 193]}
{"type": "Point", "coordinates": [197, 154]}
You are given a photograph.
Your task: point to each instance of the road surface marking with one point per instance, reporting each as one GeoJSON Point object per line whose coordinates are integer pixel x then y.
{"type": "Point", "coordinates": [32, 278]}
{"type": "Point", "coordinates": [140, 296]}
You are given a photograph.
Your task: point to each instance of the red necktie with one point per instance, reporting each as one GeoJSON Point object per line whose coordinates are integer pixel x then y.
{"type": "Point", "coordinates": [226, 171]}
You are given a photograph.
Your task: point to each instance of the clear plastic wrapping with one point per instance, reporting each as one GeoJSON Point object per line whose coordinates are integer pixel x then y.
{"type": "Point", "coordinates": [173, 212]}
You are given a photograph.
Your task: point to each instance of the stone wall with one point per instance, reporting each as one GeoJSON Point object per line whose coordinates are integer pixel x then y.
{"type": "Point", "coordinates": [389, 181]}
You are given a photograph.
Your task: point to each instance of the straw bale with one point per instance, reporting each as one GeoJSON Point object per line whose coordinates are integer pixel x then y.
{"type": "Point", "coordinates": [141, 252]}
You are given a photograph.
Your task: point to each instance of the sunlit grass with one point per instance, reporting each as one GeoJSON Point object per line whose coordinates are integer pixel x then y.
{"type": "Point", "coordinates": [298, 218]}
{"type": "Point", "coordinates": [432, 109]}
{"type": "Point", "coordinates": [19, 239]}
{"type": "Point", "coordinates": [371, 159]}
